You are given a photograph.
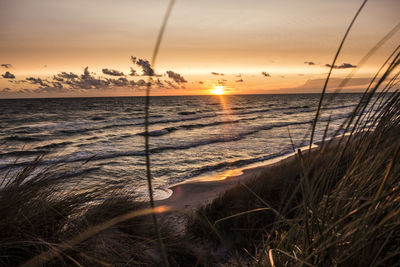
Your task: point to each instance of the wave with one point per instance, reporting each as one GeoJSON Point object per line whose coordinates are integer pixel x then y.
{"type": "Point", "coordinates": [97, 118]}
{"type": "Point", "coordinates": [232, 164]}
{"type": "Point", "coordinates": [19, 138]}
{"type": "Point", "coordinates": [159, 119]}
{"type": "Point", "coordinates": [54, 145]}
{"type": "Point", "coordinates": [168, 130]}
{"type": "Point", "coordinates": [22, 153]}
{"type": "Point", "coordinates": [86, 156]}
{"type": "Point", "coordinates": [184, 113]}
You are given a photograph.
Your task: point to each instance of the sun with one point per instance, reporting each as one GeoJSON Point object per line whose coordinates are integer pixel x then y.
{"type": "Point", "coordinates": [218, 90]}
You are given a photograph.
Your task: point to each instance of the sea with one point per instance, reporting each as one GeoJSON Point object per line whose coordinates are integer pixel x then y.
{"type": "Point", "coordinates": [190, 136]}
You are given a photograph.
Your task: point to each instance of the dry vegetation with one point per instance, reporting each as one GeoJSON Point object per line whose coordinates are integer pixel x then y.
{"type": "Point", "coordinates": [37, 216]}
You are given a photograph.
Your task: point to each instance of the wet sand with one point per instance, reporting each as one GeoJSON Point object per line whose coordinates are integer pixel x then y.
{"type": "Point", "coordinates": [197, 192]}
{"type": "Point", "coordinates": [194, 193]}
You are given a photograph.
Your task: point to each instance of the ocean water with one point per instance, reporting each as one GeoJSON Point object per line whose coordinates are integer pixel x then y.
{"type": "Point", "coordinates": [102, 138]}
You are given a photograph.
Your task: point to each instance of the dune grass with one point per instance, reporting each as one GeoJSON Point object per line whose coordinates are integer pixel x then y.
{"type": "Point", "coordinates": [43, 223]}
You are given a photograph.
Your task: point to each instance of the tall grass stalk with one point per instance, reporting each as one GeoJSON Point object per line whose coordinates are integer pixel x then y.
{"type": "Point", "coordinates": [146, 128]}
{"type": "Point", "coordinates": [330, 71]}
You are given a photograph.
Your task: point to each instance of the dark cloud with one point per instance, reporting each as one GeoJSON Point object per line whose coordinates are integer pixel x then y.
{"type": "Point", "coordinates": [216, 73]}
{"type": "Point", "coordinates": [343, 66]}
{"type": "Point", "coordinates": [57, 85]}
{"type": "Point", "coordinates": [133, 72]}
{"type": "Point", "coordinates": [17, 81]}
{"type": "Point", "coordinates": [39, 81]}
{"type": "Point", "coordinates": [145, 65]}
{"type": "Point", "coordinates": [88, 81]}
{"type": "Point", "coordinates": [159, 83]}
{"type": "Point", "coordinates": [112, 72]}
{"type": "Point", "coordinates": [6, 90]}
{"type": "Point", "coordinates": [119, 82]}
{"type": "Point", "coordinates": [141, 83]}
{"type": "Point", "coordinates": [65, 75]}
{"type": "Point", "coordinates": [58, 79]}
{"type": "Point", "coordinates": [69, 81]}
{"type": "Point", "coordinates": [176, 77]}
{"type": "Point", "coordinates": [239, 81]}
{"type": "Point", "coordinates": [309, 63]}
{"type": "Point", "coordinates": [6, 66]}
{"type": "Point", "coordinates": [200, 82]}
{"type": "Point", "coordinates": [8, 75]}
{"type": "Point", "coordinates": [265, 74]}
{"type": "Point", "coordinates": [221, 82]}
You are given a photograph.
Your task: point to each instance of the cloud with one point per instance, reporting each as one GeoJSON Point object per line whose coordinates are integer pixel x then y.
{"type": "Point", "coordinates": [6, 66]}
{"type": "Point", "coordinates": [159, 83]}
{"type": "Point", "coordinates": [221, 82]}
{"type": "Point", "coordinates": [133, 72]}
{"type": "Point", "coordinates": [141, 83]}
{"type": "Point", "coordinates": [239, 81]}
{"type": "Point", "coordinates": [119, 82]}
{"type": "Point", "coordinates": [343, 66]}
{"type": "Point", "coordinates": [216, 73]}
{"type": "Point", "coordinates": [239, 75]}
{"type": "Point", "coordinates": [58, 79]}
{"type": "Point", "coordinates": [200, 82]}
{"type": "Point", "coordinates": [65, 75]}
{"type": "Point", "coordinates": [88, 81]}
{"type": "Point", "coordinates": [145, 65]}
{"type": "Point", "coordinates": [39, 81]}
{"type": "Point", "coordinates": [5, 90]}
{"type": "Point", "coordinates": [8, 75]}
{"type": "Point", "coordinates": [17, 81]}
{"type": "Point", "coordinates": [310, 63]}
{"type": "Point", "coordinates": [70, 82]}
{"type": "Point", "coordinates": [57, 85]}
{"type": "Point", "coordinates": [112, 72]}
{"type": "Point", "coordinates": [176, 77]}
{"type": "Point", "coordinates": [265, 74]}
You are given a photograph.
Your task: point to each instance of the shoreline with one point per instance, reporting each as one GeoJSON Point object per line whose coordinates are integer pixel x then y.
{"type": "Point", "coordinates": [193, 193]}
{"type": "Point", "coordinates": [198, 191]}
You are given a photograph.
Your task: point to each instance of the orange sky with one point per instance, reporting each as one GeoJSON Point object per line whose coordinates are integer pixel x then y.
{"type": "Point", "coordinates": [240, 39]}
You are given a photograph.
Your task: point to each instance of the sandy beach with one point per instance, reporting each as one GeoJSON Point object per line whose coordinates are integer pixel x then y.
{"type": "Point", "coordinates": [196, 192]}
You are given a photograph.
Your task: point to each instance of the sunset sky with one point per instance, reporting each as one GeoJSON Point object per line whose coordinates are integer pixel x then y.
{"type": "Point", "coordinates": [259, 46]}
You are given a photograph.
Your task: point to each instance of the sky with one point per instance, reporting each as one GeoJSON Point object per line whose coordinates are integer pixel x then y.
{"type": "Point", "coordinates": [89, 48]}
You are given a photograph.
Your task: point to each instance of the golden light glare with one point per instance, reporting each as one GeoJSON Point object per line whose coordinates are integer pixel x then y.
{"type": "Point", "coordinates": [218, 90]}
